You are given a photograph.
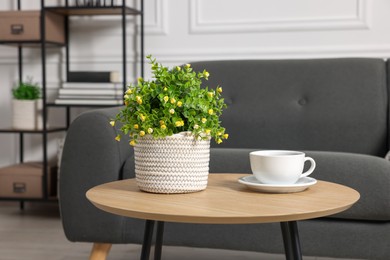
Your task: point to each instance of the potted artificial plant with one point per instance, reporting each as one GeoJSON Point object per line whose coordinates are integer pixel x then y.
{"type": "Point", "coordinates": [170, 120]}
{"type": "Point", "coordinates": [26, 106]}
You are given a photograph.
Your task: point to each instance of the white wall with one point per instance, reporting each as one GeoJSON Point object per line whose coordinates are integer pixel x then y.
{"type": "Point", "coordinates": [179, 31]}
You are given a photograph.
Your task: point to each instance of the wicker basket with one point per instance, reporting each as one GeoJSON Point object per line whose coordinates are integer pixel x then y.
{"type": "Point", "coordinates": [175, 164]}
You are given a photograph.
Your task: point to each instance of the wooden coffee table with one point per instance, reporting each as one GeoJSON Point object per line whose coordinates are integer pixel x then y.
{"type": "Point", "coordinates": [225, 201]}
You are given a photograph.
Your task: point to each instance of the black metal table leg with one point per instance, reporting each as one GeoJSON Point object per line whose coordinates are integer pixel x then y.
{"type": "Point", "coordinates": [159, 240]}
{"type": "Point", "coordinates": [292, 246]}
{"type": "Point", "coordinates": [148, 236]}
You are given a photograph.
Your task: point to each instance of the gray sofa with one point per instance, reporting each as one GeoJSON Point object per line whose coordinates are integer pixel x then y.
{"type": "Point", "coordinates": [336, 110]}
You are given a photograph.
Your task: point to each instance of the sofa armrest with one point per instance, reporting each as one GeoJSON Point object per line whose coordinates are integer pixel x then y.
{"type": "Point", "coordinates": [369, 175]}
{"type": "Point", "coordinates": [91, 156]}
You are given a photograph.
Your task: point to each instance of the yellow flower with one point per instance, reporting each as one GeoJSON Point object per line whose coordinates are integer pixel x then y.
{"type": "Point", "coordinates": [118, 138]}
{"type": "Point", "coordinates": [112, 123]}
{"type": "Point", "coordinates": [165, 89]}
{"type": "Point", "coordinates": [173, 101]}
{"type": "Point", "coordinates": [140, 79]}
{"type": "Point", "coordinates": [132, 143]}
{"type": "Point", "coordinates": [126, 96]}
{"type": "Point", "coordinates": [219, 133]}
{"type": "Point", "coordinates": [179, 103]}
{"type": "Point", "coordinates": [226, 136]}
{"type": "Point", "coordinates": [163, 127]}
{"type": "Point", "coordinates": [178, 68]}
{"type": "Point", "coordinates": [136, 126]}
{"type": "Point", "coordinates": [204, 120]}
{"type": "Point", "coordinates": [210, 94]}
{"type": "Point", "coordinates": [171, 111]}
{"type": "Point", "coordinates": [196, 126]}
{"type": "Point", "coordinates": [139, 99]}
{"type": "Point", "coordinates": [207, 131]}
{"type": "Point", "coordinates": [206, 74]}
{"type": "Point", "coordinates": [150, 130]}
{"type": "Point", "coordinates": [219, 90]}
{"type": "Point", "coordinates": [211, 111]}
{"type": "Point", "coordinates": [219, 140]}
{"type": "Point", "coordinates": [142, 117]}
{"type": "Point", "coordinates": [166, 98]}
{"type": "Point", "coordinates": [188, 65]}
{"type": "Point", "coordinates": [162, 122]}
{"type": "Point", "coordinates": [179, 123]}
{"type": "Point", "coordinates": [141, 133]}
{"type": "Point", "coordinates": [129, 91]}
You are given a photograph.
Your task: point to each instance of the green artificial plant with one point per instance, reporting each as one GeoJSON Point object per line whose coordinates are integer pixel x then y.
{"type": "Point", "coordinates": [26, 91]}
{"type": "Point", "coordinates": [172, 102]}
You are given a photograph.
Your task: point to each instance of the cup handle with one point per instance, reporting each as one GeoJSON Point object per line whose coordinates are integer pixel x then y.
{"type": "Point", "coordinates": [312, 167]}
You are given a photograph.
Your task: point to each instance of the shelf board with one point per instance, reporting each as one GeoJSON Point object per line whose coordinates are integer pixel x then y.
{"type": "Point", "coordinates": [49, 199]}
{"type": "Point", "coordinates": [35, 44]}
{"type": "Point", "coordinates": [89, 10]}
{"type": "Point", "coordinates": [83, 105]}
{"type": "Point", "coordinates": [49, 130]}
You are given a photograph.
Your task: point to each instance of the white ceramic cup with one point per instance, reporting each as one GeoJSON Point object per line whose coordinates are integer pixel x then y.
{"type": "Point", "coordinates": [279, 166]}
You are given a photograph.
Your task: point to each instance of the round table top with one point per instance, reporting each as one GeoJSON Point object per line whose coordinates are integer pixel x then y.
{"type": "Point", "coordinates": [224, 201]}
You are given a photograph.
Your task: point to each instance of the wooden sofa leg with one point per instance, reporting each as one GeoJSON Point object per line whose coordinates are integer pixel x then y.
{"type": "Point", "coordinates": [100, 251]}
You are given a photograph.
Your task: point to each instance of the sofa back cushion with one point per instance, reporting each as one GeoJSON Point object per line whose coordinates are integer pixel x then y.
{"type": "Point", "coordinates": [323, 104]}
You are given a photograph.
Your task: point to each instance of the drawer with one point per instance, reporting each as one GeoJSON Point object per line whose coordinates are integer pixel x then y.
{"type": "Point", "coordinates": [25, 26]}
{"type": "Point", "coordinates": [25, 180]}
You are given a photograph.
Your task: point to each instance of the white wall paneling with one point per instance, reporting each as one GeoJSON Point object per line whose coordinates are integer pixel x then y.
{"type": "Point", "coordinates": [276, 16]}
{"type": "Point", "coordinates": [156, 18]}
{"type": "Point", "coordinates": [181, 31]}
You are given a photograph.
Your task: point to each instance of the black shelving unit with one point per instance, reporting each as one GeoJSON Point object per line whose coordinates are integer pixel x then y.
{"type": "Point", "coordinates": [122, 10]}
{"type": "Point", "coordinates": [66, 11]}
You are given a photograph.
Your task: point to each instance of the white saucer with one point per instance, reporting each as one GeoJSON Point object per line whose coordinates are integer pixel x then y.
{"type": "Point", "coordinates": [252, 183]}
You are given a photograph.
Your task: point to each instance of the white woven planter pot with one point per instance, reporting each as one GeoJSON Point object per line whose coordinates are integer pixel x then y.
{"type": "Point", "coordinates": [175, 164]}
{"type": "Point", "coordinates": [27, 114]}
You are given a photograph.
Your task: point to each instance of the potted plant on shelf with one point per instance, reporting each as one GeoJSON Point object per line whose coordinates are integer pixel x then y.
{"type": "Point", "coordinates": [170, 120]}
{"type": "Point", "coordinates": [26, 106]}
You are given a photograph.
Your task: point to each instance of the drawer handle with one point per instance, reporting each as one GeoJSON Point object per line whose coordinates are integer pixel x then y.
{"type": "Point", "coordinates": [19, 187]}
{"type": "Point", "coordinates": [17, 28]}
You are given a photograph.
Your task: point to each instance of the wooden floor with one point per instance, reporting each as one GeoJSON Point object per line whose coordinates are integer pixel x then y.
{"type": "Point", "coordinates": [36, 234]}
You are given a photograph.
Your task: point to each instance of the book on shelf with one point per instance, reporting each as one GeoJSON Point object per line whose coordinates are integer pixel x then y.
{"type": "Point", "coordinates": [91, 92]}
{"type": "Point", "coordinates": [94, 3]}
{"type": "Point", "coordinates": [97, 97]}
{"type": "Point", "coordinates": [93, 85]}
{"type": "Point", "coordinates": [93, 76]}
{"type": "Point", "coordinates": [73, 101]}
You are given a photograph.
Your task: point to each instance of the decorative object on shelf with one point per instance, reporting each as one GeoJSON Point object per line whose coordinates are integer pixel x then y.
{"type": "Point", "coordinates": [96, 93]}
{"type": "Point", "coordinates": [25, 26]}
{"type": "Point", "coordinates": [27, 106]}
{"type": "Point", "coordinates": [170, 121]}
{"type": "Point", "coordinates": [24, 180]}
{"type": "Point", "coordinates": [93, 76]}
{"type": "Point", "coordinates": [94, 3]}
